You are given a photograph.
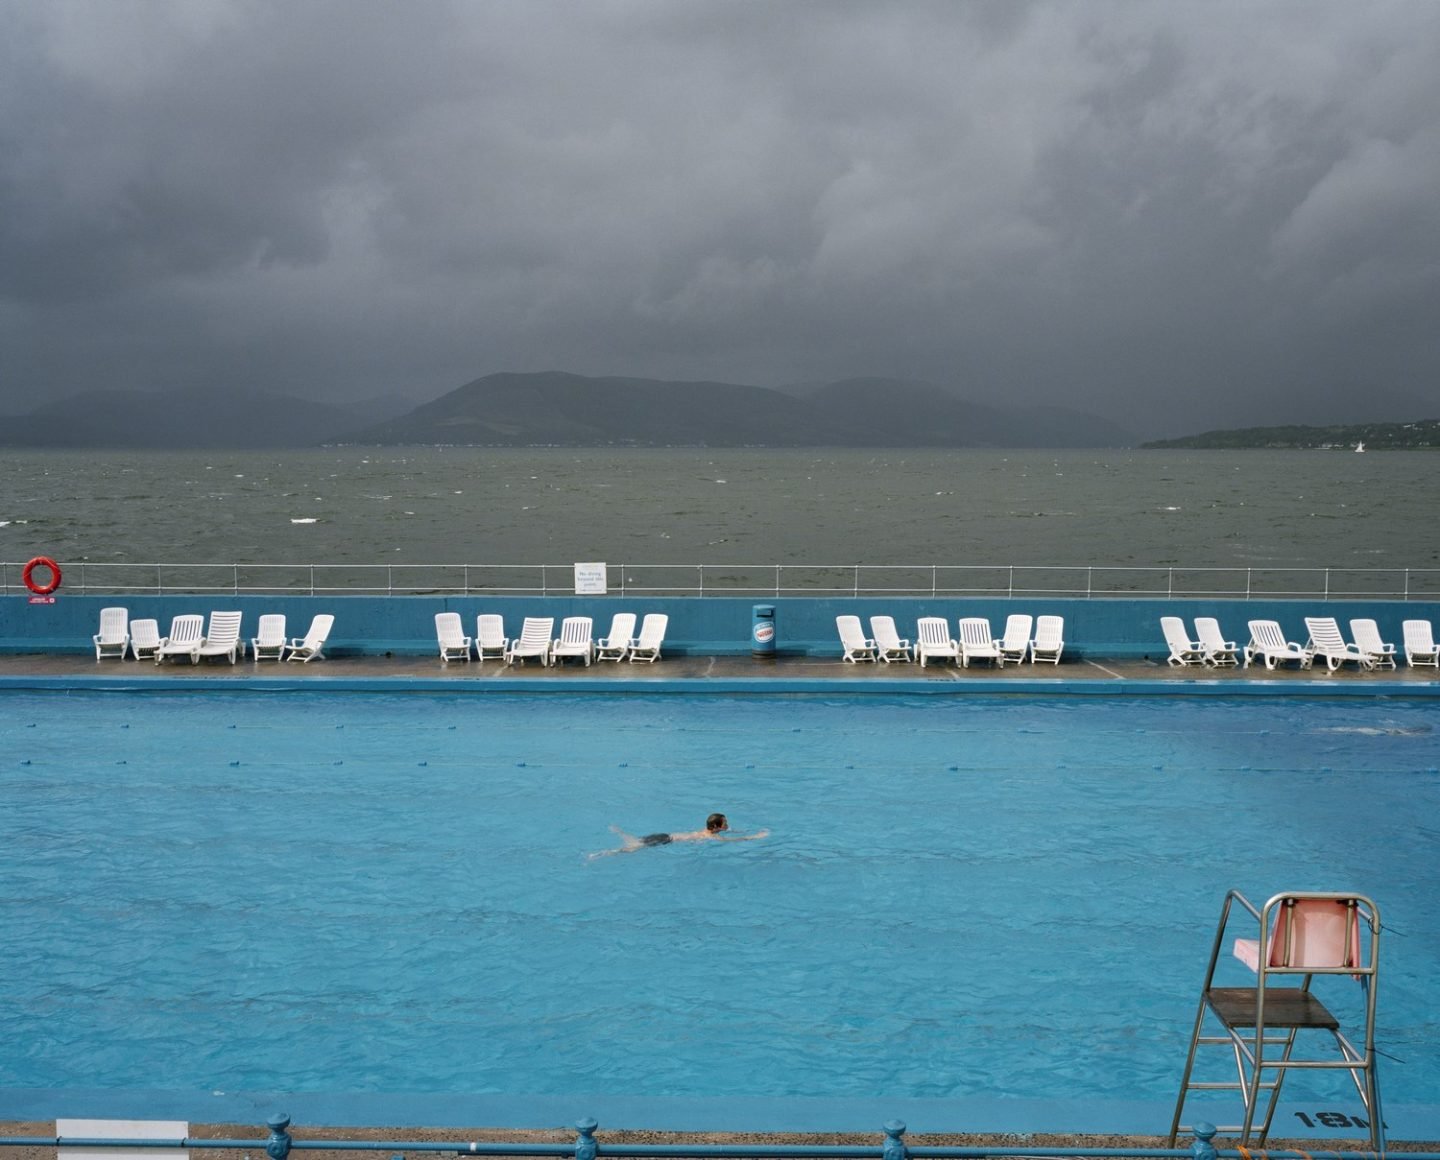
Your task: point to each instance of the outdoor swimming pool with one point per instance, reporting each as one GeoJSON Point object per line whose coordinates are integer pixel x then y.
{"type": "Point", "coordinates": [970, 896]}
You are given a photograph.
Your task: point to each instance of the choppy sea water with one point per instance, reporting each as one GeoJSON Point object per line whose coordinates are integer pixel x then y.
{"type": "Point", "coordinates": [1310, 509]}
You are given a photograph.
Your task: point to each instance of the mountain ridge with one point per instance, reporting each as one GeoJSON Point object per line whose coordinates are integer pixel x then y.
{"type": "Point", "coordinates": [557, 408]}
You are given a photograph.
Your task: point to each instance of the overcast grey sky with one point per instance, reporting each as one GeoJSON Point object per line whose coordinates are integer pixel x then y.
{"type": "Point", "coordinates": [1178, 214]}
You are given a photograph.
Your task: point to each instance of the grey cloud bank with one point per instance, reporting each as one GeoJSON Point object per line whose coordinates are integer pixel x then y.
{"type": "Point", "coordinates": [1178, 215]}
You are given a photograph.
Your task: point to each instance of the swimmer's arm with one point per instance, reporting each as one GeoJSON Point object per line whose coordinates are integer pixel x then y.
{"type": "Point", "coordinates": [742, 837]}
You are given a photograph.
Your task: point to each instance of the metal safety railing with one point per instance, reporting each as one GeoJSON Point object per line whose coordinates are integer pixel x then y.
{"type": "Point", "coordinates": [279, 1144]}
{"type": "Point", "coordinates": [1005, 581]}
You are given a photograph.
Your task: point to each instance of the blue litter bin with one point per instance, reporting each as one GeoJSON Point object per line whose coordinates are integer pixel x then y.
{"type": "Point", "coordinates": [762, 632]}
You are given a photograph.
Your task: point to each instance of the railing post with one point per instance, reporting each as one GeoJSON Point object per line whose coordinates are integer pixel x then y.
{"type": "Point", "coordinates": [235, 578]}
{"type": "Point", "coordinates": [312, 579]}
{"type": "Point", "coordinates": [277, 1147]}
{"type": "Point", "coordinates": [933, 581]}
{"type": "Point", "coordinates": [1201, 1147]}
{"type": "Point", "coordinates": [856, 592]}
{"type": "Point", "coordinates": [585, 1144]}
{"type": "Point", "coordinates": [701, 567]}
{"type": "Point", "coordinates": [1407, 585]}
{"type": "Point", "coordinates": [1089, 581]}
{"type": "Point", "coordinates": [1248, 571]}
{"type": "Point", "coordinates": [894, 1148]}
{"type": "Point", "coordinates": [159, 581]}
{"type": "Point", "coordinates": [1327, 584]}
{"type": "Point", "coordinates": [777, 578]}
{"type": "Point", "coordinates": [1170, 583]}
{"type": "Point", "coordinates": [1010, 585]}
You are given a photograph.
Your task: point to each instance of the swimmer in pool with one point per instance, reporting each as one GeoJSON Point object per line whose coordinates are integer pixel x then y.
{"type": "Point", "coordinates": [717, 829]}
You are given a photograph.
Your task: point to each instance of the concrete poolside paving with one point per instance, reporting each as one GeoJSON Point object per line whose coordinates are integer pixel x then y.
{"type": "Point", "coordinates": [706, 673]}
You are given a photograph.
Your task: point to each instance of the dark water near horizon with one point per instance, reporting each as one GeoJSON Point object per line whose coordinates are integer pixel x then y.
{"type": "Point", "coordinates": [1261, 509]}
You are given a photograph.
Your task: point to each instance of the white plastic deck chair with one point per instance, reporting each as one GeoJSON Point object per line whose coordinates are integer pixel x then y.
{"type": "Point", "coordinates": [976, 643]}
{"type": "Point", "coordinates": [1183, 650]}
{"type": "Point", "coordinates": [533, 641]}
{"type": "Point", "coordinates": [177, 1130]}
{"type": "Point", "coordinates": [1219, 652]}
{"type": "Point", "coordinates": [1367, 640]}
{"type": "Point", "coordinates": [615, 645]}
{"type": "Point", "coordinates": [450, 637]}
{"type": "Point", "coordinates": [187, 632]}
{"type": "Point", "coordinates": [1049, 640]}
{"type": "Point", "coordinates": [933, 639]}
{"type": "Point", "coordinates": [490, 638]}
{"type": "Point", "coordinates": [854, 644]}
{"type": "Point", "coordinates": [113, 639]}
{"type": "Point", "coordinates": [646, 646]}
{"type": "Point", "coordinates": [1267, 641]}
{"type": "Point", "coordinates": [1313, 940]}
{"type": "Point", "coordinates": [145, 639]}
{"type": "Point", "coordinates": [1327, 641]}
{"type": "Point", "coordinates": [268, 643]}
{"type": "Point", "coordinates": [312, 645]}
{"type": "Point", "coordinates": [1420, 646]}
{"type": "Point", "coordinates": [1016, 642]}
{"type": "Point", "coordinates": [889, 644]}
{"type": "Point", "coordinates": [576, 639]}
{"type": "Point", "coordinates": [222, 637]}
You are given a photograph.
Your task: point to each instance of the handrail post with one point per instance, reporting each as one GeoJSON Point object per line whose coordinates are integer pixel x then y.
{"type": "Point", "coordinates": [1327, 584]}
{"type": "Point", "coordinates": [1201, 1148]}
{"type": "Point", "coordinates": [857, 581]}
{"type": "Point", "coordinates": [894, 1148]}
{"type": "Point", "coordinates": [586, 1146]}
{"type": "Point", "coordinates": [1089, 581]}
{"type": "Point", "coordinates": [777, 578]}
{"type": "Point", "coordinates": [1170, 582]}
{"type": "Point", "coordinates": [701, 567]}
{"type": "Point", "coordinates": [235, 578]}
{"type": "Point", "coordinates": [312, 579]}
{"type": "Point", "coordinates": [1248, 571]}
{"type": "Point", "coordinates": [277, 1147]}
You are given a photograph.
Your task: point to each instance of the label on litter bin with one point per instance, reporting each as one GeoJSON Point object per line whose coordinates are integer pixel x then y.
{"type": "Point", "coordinates": [764, 633]}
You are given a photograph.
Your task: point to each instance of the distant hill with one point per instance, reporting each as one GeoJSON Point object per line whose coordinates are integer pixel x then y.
{"type": "Point", "coordinates": [564, 410]}
{"type": "Point", "coordinates": [204, 420]}
{"type": "Point", "coordinates": [1424, 433]}
{"type": "Point", "coordinates": [557, 409]}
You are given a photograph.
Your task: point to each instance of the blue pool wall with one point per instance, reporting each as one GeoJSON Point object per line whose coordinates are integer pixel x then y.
{"type": "Point", "coordinates": [705, 626]}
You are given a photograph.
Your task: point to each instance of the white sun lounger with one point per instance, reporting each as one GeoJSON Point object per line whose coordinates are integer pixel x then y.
{"type": "Point", "coordinates": [889, 644]}
{"type": "Point", "coordinates": [145, 639]}
{"type": "Point", "coordinates": [450, 638]}
{"type": "Point", "coordinates": [933, 639]}
{"type": "Point", "coordinates": [490, 638]}
{"type": "Point", "coordinates": [222, 638]}
{"type": "Point", "coordinates": [1016, 642]}
{"type": "Point", "coordinates": [1218, 651]}
{"type": "Point", "coordinates": [615, 645]}
{"type": "Point", "coordinates": [1420, 646]}
{"type": "Point", "coordinates": [1326, 641]}
{"type": "Point", "coordinates": [576, 639]}
{"type": "Point", "coordinates": [113, 639]}
{"type": "Point", "coordinates": [1367, 640]}
{"type": "Point", "coordinates": [312, 645]}
{"type": "Point", "coordinates": [976, 643]}
{"type": "Point", "coordinates": [1049, 640]}
{"type": "Point", "coordinates": [1267, 641]}
{"type": "Point", "coordinates": [854, 644]}
{"type": "Point", "coordinates": [1183, 650]}
{"type": "Point", "coordinates": [186, 634]}
{"type": "Point", "coordinates": [646, 646]}
{"type": "Point", "coordinates": [268, 643]}
{"type": "Point", "coordinates": [533, 641]}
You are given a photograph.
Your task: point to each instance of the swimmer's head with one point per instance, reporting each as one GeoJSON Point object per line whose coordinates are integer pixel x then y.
{"type": "Point", "coordinates": [716, 822]}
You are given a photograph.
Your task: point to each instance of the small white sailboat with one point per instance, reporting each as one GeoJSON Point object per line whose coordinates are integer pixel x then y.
{"type": "Point", "coordinates": [1360, 447]}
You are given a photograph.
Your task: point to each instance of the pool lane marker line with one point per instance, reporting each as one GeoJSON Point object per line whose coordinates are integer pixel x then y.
{"type": "Point", "coordinates": [1103, 669]}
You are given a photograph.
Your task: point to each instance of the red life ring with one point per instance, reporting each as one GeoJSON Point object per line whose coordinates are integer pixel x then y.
{"type": "Point", "coordinates": [29, 576]}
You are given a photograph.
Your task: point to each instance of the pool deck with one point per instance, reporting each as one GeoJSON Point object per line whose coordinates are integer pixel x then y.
{"type": "Point", "coordinates": [710, 674]}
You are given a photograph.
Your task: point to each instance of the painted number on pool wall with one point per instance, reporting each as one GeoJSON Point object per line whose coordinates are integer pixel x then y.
{"type": "Point", "coordinates": [1332, 1120]}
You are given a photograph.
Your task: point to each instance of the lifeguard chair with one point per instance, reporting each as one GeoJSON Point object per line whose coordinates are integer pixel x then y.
{"type": "Point", "coordinates": [1305, 936]}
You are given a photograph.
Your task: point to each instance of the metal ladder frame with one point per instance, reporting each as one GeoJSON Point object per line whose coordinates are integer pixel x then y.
{"type": "Point", "coordinates": [1291, 1010]}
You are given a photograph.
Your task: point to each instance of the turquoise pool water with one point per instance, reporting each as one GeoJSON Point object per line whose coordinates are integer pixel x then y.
{"type": "Point", "coordinates": [989, 896]}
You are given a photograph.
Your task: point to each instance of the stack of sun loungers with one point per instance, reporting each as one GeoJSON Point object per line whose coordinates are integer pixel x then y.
{"type": "Point", "coordinates": [1367, 650]}
{"type": "Point", "coordinates": [971, 642]}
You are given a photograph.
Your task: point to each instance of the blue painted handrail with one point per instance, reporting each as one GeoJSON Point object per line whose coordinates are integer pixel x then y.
{"type": "Point", "coordinates": [279, 1144]}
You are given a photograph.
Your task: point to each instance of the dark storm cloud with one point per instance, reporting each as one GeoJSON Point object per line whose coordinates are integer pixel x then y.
{"type": "Point", "coordinates": [1178, 214]}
